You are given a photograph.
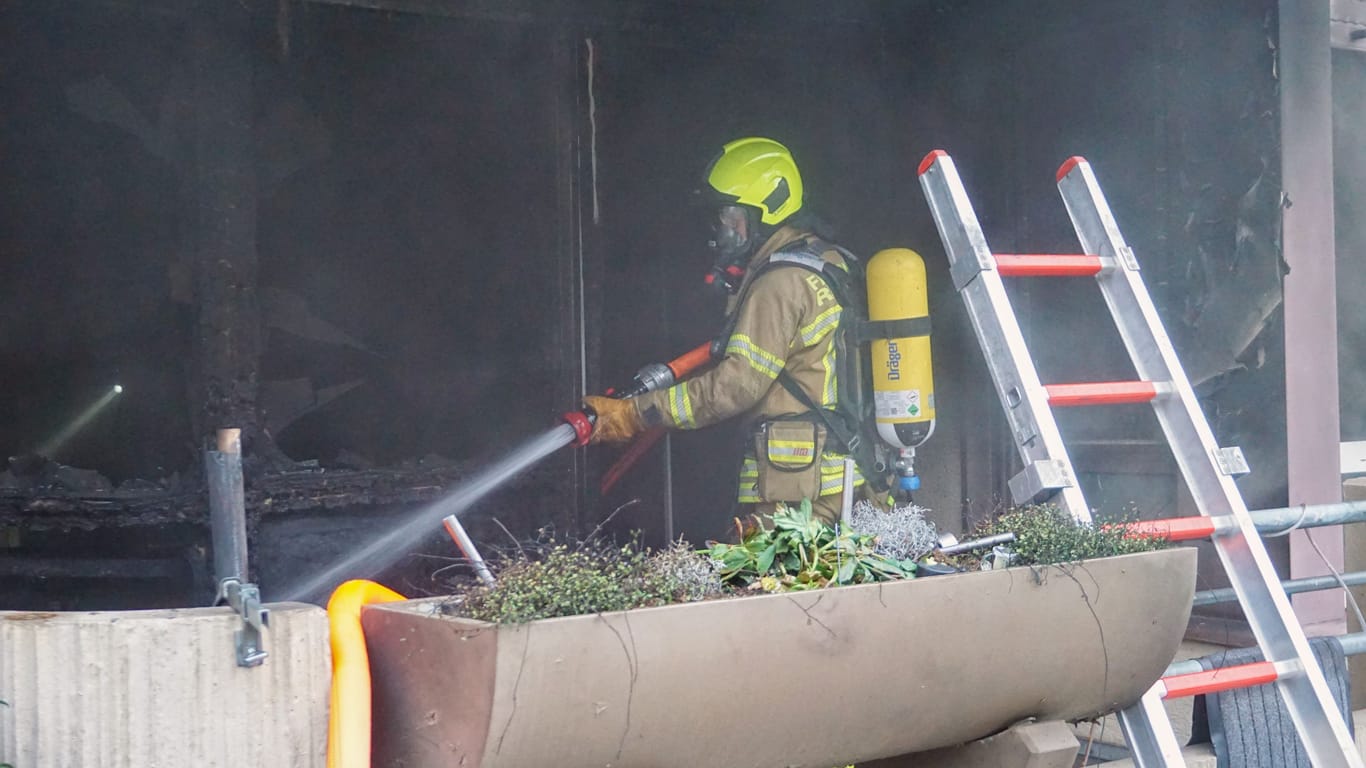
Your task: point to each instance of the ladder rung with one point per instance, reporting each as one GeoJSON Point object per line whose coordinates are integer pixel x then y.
{"type": "Point", "coordinates": [1174, 529]}
{"type": "Point", "coordinates": [1100, 393]}
{"type": "Point", "coordinates": [1048, 265]}
{"type": "Point", "coordinates": [1215, 680]}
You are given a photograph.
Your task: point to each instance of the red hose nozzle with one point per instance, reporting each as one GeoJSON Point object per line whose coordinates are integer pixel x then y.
{"type": "Point", "coordinates": [582, 422]}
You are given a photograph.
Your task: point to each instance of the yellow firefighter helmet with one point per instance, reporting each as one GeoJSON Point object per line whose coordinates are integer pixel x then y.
{"type": "Point", "coordinates": [759, 173]}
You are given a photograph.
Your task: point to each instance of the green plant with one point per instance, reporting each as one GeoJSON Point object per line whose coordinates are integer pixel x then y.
{"type": "Point", "coordinates": [1045, 535]}
{"type": "Point", "coordinates": [800, 552]}
{"type": "Point", "coordinates": [564, 582]}
{"type": "Point", "coordinates": [589, 578]}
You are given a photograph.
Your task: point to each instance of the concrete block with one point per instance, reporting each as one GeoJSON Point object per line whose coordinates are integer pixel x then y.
{"type": "Point", "coordinates": [162, 689]}
{"type": "Point", "coordinates": [1198, 756]}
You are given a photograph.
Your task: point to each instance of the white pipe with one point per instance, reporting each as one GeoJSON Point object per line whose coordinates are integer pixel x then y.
{"type": "Point", "coordinates": [847, 504]}
{"type": "Point", "coordinates": [466, 544]}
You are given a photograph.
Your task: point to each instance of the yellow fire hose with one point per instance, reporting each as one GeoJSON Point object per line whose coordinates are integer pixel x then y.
{"type": "Point", "coordinates": [348, 727]}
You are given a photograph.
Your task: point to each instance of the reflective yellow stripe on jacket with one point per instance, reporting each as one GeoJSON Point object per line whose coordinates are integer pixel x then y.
{"type": "Point", "coordinates": [759, 359]}
{"type": "Point", "coordinates": [823, 324]}
{"type": "Point", "coordinates": [680, 407]}
{"type": "Point", "coordinates": [792, 452]}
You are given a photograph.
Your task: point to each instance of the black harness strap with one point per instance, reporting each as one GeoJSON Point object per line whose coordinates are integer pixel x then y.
{"type": "Point", "coordinates": [834, 423]}
{"type": "Point", "coordinates": [906, 327]}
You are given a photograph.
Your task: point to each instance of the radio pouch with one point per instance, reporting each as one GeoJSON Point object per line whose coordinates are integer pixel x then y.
{"type": "Point", "coordinates": [789, 458]}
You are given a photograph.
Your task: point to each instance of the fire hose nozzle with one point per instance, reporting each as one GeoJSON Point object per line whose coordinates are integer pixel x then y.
{"type": "Point", "coordinates": [648, 379]}
{"type": "Point", "coordinates": [582, 422]}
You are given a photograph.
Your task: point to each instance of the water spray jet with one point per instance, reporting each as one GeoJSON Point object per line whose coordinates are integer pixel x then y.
{"type": "Point", "coordinates": [576, 430]}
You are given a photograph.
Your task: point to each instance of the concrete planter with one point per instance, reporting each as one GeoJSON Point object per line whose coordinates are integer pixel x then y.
{"type": "Point", "coordinates": [161, 689]}
{"type": "Point", "coordinates": [809, 679]}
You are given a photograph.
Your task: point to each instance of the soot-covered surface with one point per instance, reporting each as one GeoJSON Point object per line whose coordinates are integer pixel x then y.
{"type": "Point", "coordinates": [375, 234]}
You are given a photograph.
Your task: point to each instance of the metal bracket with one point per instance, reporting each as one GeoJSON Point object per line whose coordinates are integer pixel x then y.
{"type": "Point", "coordinates": [964, 271]}
{"type": "Point", "coordinates": [1231, 461]}
{"type": "Point", "coordinates": [1128, 259]}
{"type": "Point", "coordinates": [1040, 480]}
{"type": "Point", "coordinates": [245, 599]}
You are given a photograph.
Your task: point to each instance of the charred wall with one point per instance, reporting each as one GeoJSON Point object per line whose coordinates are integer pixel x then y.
{"type": "Point", "coordinates": [442, 222]}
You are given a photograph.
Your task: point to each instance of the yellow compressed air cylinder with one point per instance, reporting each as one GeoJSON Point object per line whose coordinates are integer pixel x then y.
{"type": "Point", "coordinates": [903, 385]}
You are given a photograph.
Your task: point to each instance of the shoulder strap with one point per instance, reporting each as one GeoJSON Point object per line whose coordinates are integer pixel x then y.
{"type": "Point", "coordinates": [798, 253]}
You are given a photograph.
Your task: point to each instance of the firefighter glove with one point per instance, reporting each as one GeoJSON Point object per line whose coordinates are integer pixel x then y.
{"type": "Point", "coordinates": [618, 421]}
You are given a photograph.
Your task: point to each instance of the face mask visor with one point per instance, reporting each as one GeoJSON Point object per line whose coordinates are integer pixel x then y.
{"type": "Point", "coordinates": [731, 245]}
{"type": "Point", "coordinates": [731, 236]}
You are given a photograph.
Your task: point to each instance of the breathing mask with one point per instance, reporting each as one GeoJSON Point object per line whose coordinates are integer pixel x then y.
{"type": "Point", "coordinates": [734, 237]}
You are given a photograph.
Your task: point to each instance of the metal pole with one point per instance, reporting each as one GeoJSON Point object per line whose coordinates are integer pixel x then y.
{"type": "Point", "coordinates": [227, 507]}
{"type": "Point", "coordinates": [466, 544]}
{"type": "Point", "coordinates": [959, 548]}
{"type": "Point", "coordinates": [228, 527]}
{"type": "Point", "coordinates": [668, 488]}
{"type": "Point", "coordinates": [847, 499]}
{"type": "Point", "coordinates": [1293, 586]}
{"type": "Point", "coordinates": [1352, 645]}
{"type": "Point", "coordinates": [1284, 519]}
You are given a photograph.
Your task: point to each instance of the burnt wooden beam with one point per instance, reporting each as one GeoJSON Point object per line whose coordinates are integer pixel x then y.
{"type": "Point", "coordinates": [632, 13]}
{"type": "Point", "coordinates": [278, 494]}
{"type": "Point", "coordinates": [223, 220]}
{"type": "Point", "coordinates": [572, 345]}
{"type": "Point", "coordinates": [28, 567]}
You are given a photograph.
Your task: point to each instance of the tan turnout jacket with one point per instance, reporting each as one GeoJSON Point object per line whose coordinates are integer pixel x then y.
{"type": "Point", "coordinates": [787, 321]}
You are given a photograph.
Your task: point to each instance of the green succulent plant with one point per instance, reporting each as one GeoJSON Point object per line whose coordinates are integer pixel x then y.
{"type": "Point", "coordinates": [797, 551]}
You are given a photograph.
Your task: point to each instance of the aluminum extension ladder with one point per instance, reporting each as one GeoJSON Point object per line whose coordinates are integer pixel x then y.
{"type": "Point", "coordinates": [1208, 469]}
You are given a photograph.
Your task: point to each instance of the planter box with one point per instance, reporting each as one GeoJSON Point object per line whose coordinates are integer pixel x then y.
{"type": "Point", "coordinates": [806, 679]}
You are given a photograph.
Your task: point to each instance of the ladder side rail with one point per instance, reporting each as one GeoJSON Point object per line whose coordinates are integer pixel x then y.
{"type": "Point", "coordinates": [998, 332]}
{"type": "Point", "coordinates": [1148, 732]}
{"type": "Point", "coordinates": [1323, 731]}
{"type": "Point", "coordinates": [1154, 357]}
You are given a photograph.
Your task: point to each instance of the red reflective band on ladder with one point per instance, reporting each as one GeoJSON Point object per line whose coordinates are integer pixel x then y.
{"type": "Point", "coordinates": [1215, 680]}
{"type": "Point", "coordinates": [929, 160]}
{"type": "Point", "coordinates": [1047, 265]}
{"type": "Point", "coordinates": [1066, 168]}
{"type": "Point", "coordinates": [1100, 393]}
{"type": "Point", "coordinates": [1173, 529]}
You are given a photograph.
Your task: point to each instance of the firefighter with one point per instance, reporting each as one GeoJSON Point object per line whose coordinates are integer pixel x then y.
{"type": "Point", "coordinates": [778, 320]}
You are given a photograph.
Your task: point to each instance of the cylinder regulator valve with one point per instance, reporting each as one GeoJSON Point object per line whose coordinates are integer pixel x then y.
{"type": "Point", "coordinates": [906, 478]}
